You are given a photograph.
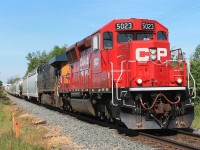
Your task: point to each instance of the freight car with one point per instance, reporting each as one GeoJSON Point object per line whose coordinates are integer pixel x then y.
{"type": "Point", "coordinates": [124, 71]}
{"type": "Point", "coordinates": [6, 87]}
{"type": "Point", "coordinates": [29, 90]}
{"type": "Point", "coordinates": [16, 88]}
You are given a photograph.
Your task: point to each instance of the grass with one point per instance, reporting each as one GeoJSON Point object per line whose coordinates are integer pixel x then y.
{"type": "Point", "coordinates": [31, 137]}
{"type": "Point", "coordinates": [8, 141]}
{"type": "Point", "coordinates": [196, 122]}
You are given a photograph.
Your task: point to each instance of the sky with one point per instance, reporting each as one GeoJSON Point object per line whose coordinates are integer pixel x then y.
{"type": "Point", "coordinates": [31, 25]}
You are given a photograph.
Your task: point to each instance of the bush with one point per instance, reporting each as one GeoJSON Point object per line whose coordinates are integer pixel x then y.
{"type": "Point", "coordinates": [2, 93]}
{"type": "Point", "coordinates": [196, 121]}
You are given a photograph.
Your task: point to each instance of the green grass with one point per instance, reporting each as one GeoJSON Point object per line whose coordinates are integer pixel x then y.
{"type": "Point", "coordinates": [196, 122]}
{"type": "Point", "coordinates": [2, 94]}
{"type": "Point", "coordinates": [7, 136]}
{"type": "Point", "coordinates": [8, 141]}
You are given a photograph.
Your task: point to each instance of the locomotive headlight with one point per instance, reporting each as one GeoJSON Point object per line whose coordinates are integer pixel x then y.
{"type": "Point", "coordinates": [153, 53]}
{"type": "Point", "coordinates": [179, 80]}
{"type": "Point", "coordinates": [153, 57]}
{"type": "Point", "coordinates": [139, 81]}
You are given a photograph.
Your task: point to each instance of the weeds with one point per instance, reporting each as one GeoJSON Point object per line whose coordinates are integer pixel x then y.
{"type": "Point", "coordinates": [30, 138]}
{"type": "Point", "coordinates": [196, 122]}
{"type": "Point", "coordinates": [8, 141]}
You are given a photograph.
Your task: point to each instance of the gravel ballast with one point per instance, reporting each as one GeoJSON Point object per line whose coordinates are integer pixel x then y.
{"type": "Point", "coordinates": [196, 131]}
{"type": "Point", "coordinates": [88, 136]}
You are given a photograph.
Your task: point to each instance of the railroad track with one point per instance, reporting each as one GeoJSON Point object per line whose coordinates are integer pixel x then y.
{"type": "Point", "coordinates": [174, 139]}
{"type": "Point", "coordinates": [163, 140]}
{"type": "Point", "coordinates": [187, 138]}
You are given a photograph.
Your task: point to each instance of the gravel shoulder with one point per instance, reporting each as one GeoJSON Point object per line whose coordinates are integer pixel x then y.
{"type": "Point", "coordinates": [81, 135]}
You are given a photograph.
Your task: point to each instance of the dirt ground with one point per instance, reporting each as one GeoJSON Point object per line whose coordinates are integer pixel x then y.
{"type": "Point", "coordinates": [53, 134]}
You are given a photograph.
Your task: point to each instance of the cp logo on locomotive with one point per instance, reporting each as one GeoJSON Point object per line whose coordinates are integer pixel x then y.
{"type": "Point", "coordinates": [142, 54]}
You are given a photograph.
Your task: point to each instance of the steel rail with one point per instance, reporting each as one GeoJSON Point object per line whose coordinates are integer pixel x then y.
{"type": "Point", "coordinates": [171, 142]}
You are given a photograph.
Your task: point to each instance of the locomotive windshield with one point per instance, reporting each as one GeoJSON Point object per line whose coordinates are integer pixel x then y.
{"type": "Point", "coordinates": [130, 36]}
{"type": "Point", "coordinates": [144, 36]}
{"type": "Point", "coordinates": [125, 37]}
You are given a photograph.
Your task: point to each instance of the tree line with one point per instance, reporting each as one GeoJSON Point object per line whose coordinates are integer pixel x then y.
{"type": "Point", "coordinates": [35, 59]}
{"type": "Point", "coordinates": [195, 68]}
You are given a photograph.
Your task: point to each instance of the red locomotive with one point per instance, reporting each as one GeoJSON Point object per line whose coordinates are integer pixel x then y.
{"type": "Point", "coordinates": [124, 71]}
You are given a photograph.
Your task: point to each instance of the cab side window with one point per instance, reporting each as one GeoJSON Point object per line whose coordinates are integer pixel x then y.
{"type": "Point", "coordinates": [108, 40]}
{"type": "Point", "coordinates": [161, 35]}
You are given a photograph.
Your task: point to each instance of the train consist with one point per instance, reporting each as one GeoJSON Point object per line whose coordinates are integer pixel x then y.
{"type": "Point", "coordinates": [123, 72]}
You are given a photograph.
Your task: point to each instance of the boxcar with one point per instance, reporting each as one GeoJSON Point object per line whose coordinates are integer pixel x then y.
{"type": "Point", "coordinates": [18, 88]}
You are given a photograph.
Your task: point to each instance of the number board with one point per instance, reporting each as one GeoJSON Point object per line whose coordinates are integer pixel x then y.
{"type": "Point", "coordinates": [124, 26]}
{"type": "Point", "coordinates": [148, 26]}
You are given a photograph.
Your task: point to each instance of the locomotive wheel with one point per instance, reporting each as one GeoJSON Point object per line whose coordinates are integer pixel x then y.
{"type": "Point", "coordinates": [64, 106]}
{"type": "Point", "coordinates": [100, 115]}
{"type": "Point", "coordinates": [109, 119]}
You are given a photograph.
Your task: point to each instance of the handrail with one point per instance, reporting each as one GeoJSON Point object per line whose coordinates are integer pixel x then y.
{"type": "Point", "coordinates": [194, 82]}
{"type": "Point", "coordinates": [132, 61]}
{"type": "Point", "coordinates": [112, 85]}
{"type": "Point", "coordinates": [122, 70]}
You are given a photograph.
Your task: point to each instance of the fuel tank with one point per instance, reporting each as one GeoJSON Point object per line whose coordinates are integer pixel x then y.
{"type": "Point", "coordinates": [83, 106]}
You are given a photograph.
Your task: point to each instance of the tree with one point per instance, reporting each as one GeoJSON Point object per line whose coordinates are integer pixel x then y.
{"type": "Point", "coordinates": [195, 68]}
{"type": "Point", "coordinates": [57, 51]}
{"type": "Point", "coordinates": [196, 54]}
{"type": "Point", "coordinates": [37, 58]}
{"type": "Point", "coordinates": [1, 91]}
{"type": "Point", "coordinates": [12, 80]}
{"type": "Point", "coordinates": [1, 83]}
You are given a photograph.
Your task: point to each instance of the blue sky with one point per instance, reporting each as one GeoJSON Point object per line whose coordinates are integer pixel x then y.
{"type": "Point", "coordinates": [27, 26]}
